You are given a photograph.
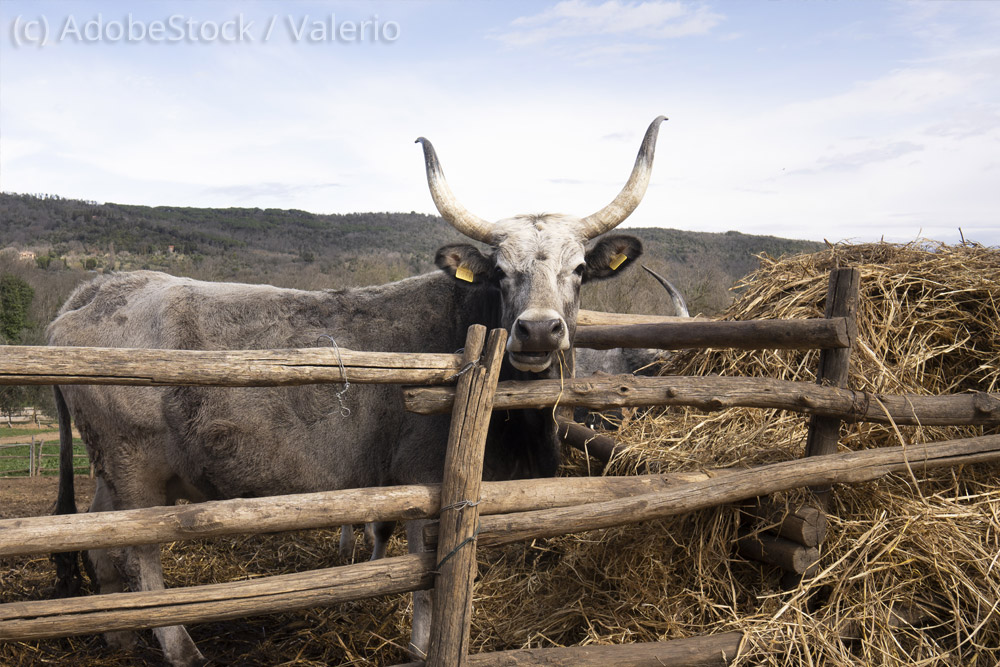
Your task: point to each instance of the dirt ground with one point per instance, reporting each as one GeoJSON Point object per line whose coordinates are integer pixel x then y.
{"type": "Point", "coordinates": [36, 496]}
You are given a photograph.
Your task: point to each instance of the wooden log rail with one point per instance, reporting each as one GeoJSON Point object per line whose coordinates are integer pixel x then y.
{"type": "Point", "coordinates": [716, 650]}
{"type": "Point", "coordinates": [31, 365]}
{"type": "Point", "coordinates": [46, 619]}
{"type": "Point", "coordinates": [738, 485]}
{"type": "Point", "coordinates": [786, 554]}
{"type": "Point", "coordinates": [783, 535]}
{"type": "Point", "coordinates": [717, 393]}
{"type": "Point", "coordinates": [586, 318]}
{"type": "Point", "coordinates": [588, 441]}
{"type": "Point", "coordinates": [154, 525]}
{"type": "Point", "coordinates": [26, 364]}
{"type": "Point", "coordinates": [60, 618]}
{"type": "Point", "coordinates": [804, 525]}
{"type": "Point", "coordinates": [802, 334]}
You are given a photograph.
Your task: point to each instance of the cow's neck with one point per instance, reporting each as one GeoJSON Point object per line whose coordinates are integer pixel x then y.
{"type": "Point", "coordinates": [432, 313]}
{"type": "Point", "coordinates": [426, 313]}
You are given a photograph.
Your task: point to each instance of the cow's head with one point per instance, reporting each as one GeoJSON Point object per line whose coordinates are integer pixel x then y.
{"type": "Point", "coordinates": [538, 262]}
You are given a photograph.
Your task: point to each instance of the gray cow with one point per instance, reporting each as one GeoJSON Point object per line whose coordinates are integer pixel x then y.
{"type": "Point", "coordinates": [155, 445]}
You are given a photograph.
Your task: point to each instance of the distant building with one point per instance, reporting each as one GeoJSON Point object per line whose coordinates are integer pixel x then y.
{"type": "Point", "coordinates": [28, 255]}
{"type": "Point", "coordinates": [170, 248]}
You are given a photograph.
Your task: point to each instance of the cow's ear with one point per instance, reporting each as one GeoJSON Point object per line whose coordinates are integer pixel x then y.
{"type": "Point", "coordinates": [611, 255]}
{"type": "Point", "coordinates": [464, 263]}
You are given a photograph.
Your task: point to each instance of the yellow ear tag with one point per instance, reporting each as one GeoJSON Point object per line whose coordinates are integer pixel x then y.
{"type": "Point", "coordinates": [617, 260]}
{"type": "Point", "coordinates": [464, 273]}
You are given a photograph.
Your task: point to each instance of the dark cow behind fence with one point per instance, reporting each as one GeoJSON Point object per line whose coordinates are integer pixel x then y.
{"type": "Point", "coordinates": [616, 361]}
{"type": "Point", "coordinates": [620, 360]}
{"type": "Point", "coordinates": [155, 445]}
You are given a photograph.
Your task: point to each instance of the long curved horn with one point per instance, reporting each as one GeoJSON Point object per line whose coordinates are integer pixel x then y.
{"type": "Point", "coordinates": [614, 213]}
{"type": "Point", "coordinates": [449, 208]}
{"type": "Point", "coordinates": [680, 307]}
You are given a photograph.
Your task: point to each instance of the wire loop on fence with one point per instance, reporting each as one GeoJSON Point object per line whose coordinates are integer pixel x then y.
{"type": "Point", "coordinates": [463, 370]}
{"type": "Point", "coordinates": [860, 403]}
{"type": "Point", "coordinates": [469, 539]}
{"type": "Point", "coordinates": [344, 410]}
{"type": "Point", "coordinates": [461, 505]}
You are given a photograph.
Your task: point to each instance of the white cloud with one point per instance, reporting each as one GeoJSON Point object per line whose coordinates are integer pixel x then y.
{"type": "Point", "coordinates": [576, 18]}
{"type": "Point", "coordinates": [901, 93]}
{"type": "Point", "coordinates": [855, 160]}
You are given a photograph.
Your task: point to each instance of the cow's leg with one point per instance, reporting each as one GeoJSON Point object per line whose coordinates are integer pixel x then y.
{"type": "Point", "coordinates": [346, 541]}
{"type": "Point", "coordinates": [101, 568]}
{"type": "Point", "coordinates": [103, 573]}
{"type": "Point", "coordinates": [144, 572]}
{"type": "Point", "coordinates": [380, 532]}
{"type": "Point", "coordinates": [423, 603]}
{"type": "Point", "coordinates": [141, 565]}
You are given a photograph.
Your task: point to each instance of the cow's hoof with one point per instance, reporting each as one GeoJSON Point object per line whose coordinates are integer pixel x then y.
{"type": "Point", "coordinates": [178, 649]}
{"type": "Point", "coordinates": [192, 658]}
{"type": "Point", "coordinates": [416, 652]}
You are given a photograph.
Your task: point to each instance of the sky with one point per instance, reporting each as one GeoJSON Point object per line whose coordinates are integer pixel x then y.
{"type": "Point", "coordinates": [815, 119]}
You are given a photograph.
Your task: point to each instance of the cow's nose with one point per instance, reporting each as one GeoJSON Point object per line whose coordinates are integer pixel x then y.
{"type": "Point", "coordinates": [539, 335]}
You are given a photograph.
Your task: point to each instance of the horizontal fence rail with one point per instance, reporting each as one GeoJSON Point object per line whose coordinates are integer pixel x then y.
{"type": "Point", "coordinates": [717, 393]}
{"type": "Point", "coordinates": [811, 334]}
{"type": "Point", "coordinates": [709, 651]}
{"type": "Point", "coordinates": [46, 619]}
{"type": "Point", "coordinates": [848, 467]}
{"type": "Point", "coordinates": [25, 364]}
{"type": "Point", "coordinates": [587, 318]}
{"type": "Point", "coordinates": [118, 611]}
{"type": "Point", "coordinates": [152, 525]}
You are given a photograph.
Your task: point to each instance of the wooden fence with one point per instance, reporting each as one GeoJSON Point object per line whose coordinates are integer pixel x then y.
{"type": "Point", "coordinates": [511, 511]}
{"type": "Point", "coordinates": [34, 458]}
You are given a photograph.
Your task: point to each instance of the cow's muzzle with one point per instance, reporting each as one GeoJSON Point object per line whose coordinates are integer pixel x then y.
{"type": "Point", "coordinates": [534, 340]}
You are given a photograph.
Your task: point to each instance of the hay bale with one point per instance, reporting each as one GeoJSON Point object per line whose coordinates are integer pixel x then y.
{"type": "Point", "coordinates": [910, 573]}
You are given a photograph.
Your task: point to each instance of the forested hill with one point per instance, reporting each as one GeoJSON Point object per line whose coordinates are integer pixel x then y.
{"type": "Point", "coordinates": [78, 226]}
{"type": "Point", "coordinates": [299, 249]}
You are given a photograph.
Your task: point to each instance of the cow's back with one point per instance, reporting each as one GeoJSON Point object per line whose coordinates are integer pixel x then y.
{"type": "Point", "coordinates": [226, 442]}
{"type": "Point", "coordinates": [147, 309]}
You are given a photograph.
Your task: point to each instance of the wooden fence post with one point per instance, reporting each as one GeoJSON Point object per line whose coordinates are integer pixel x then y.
{"type": "Point", "coordinates": [796, 555]}
{"type": "Point", "coordinates": [31, 458]}
{"type": "Point", "coordinates": [460, 488]}
{"type": "Point", "coordinates": [841, 301]}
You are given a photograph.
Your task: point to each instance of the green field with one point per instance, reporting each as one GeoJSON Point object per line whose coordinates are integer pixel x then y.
{"type": "Point", "coordinates": [15, 458]}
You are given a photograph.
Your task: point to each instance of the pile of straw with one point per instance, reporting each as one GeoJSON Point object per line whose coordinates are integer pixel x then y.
{"type": "Point", "coordinates": [910, 572]}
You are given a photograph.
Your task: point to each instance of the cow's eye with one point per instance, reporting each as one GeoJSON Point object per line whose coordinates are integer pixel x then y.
{"type": "Point", "coordinates": [580, 269]}
{"type": "Point", "coordinates": [499, 274]}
